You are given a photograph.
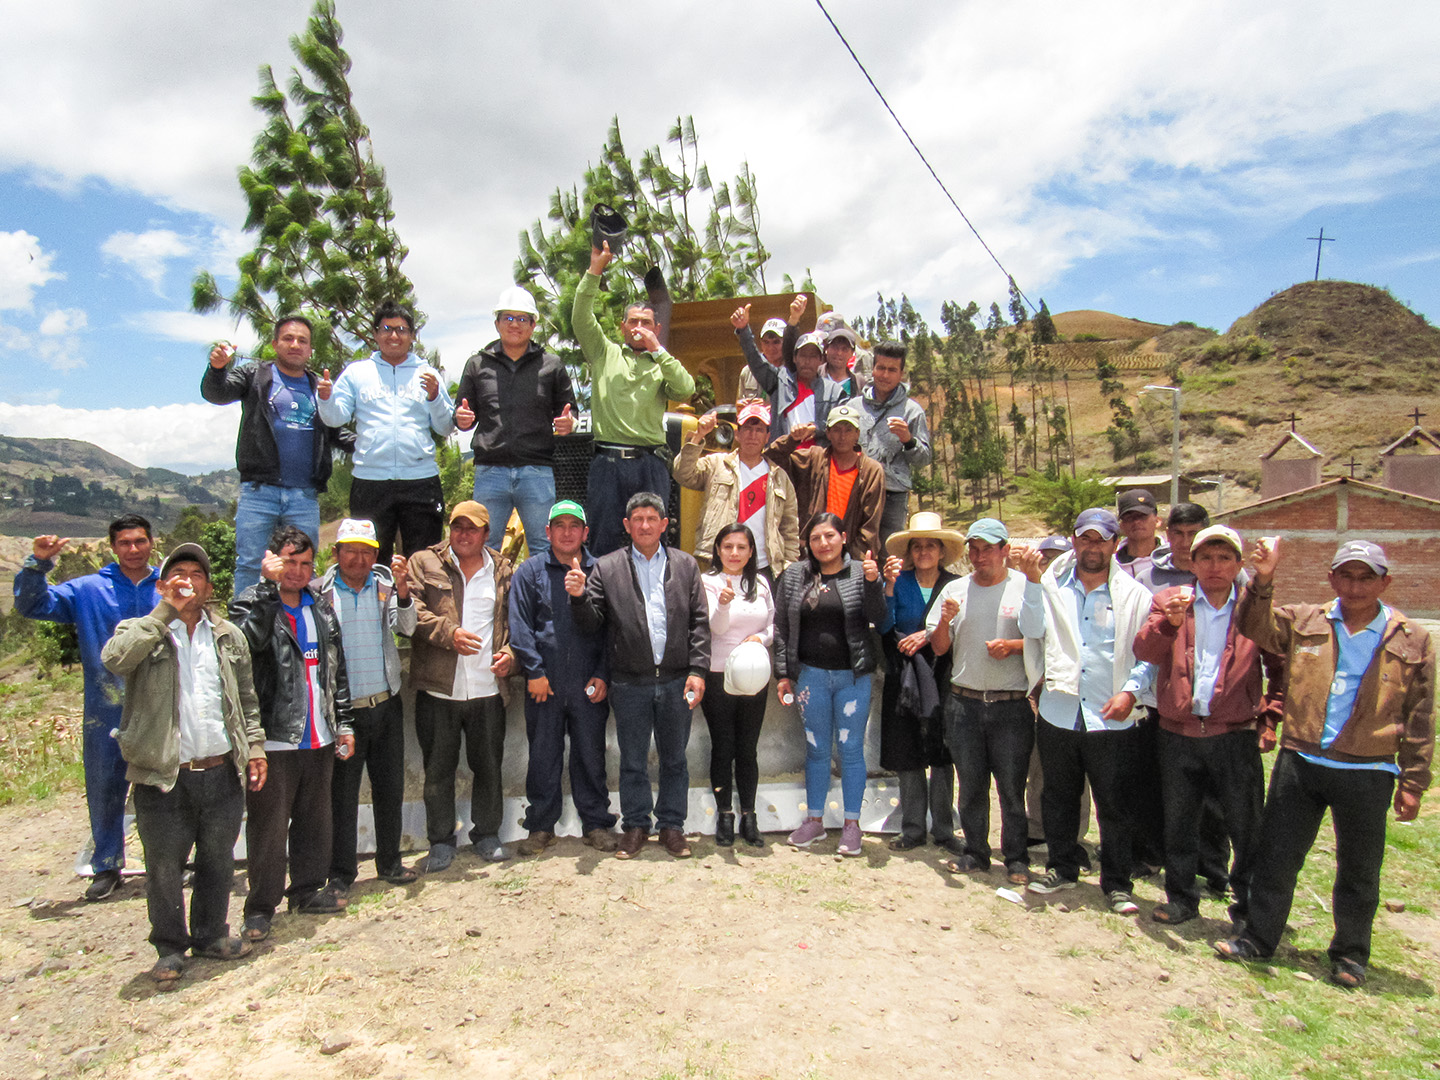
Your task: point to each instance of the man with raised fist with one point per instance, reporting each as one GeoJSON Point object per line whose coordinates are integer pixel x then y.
{"type": "Point", "coordinates": [517, 397]}
{"type": "Point", "coordinates": [283, 449]}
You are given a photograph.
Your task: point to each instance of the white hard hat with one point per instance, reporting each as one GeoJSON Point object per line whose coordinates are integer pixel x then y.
{"type": "Point", "coordinates": [514, 298]}
{"type": "Point", "coordinates": [747, 671]}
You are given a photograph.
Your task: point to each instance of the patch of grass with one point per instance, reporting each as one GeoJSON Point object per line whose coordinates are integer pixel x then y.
{"type": "Point", "coordinates": [40, 727]}
{"type": "Point", "coordinates": [843, 906]}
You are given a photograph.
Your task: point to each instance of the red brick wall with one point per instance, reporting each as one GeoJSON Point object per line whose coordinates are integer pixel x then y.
{"type": "Point", "coordinates": [1409, 531]}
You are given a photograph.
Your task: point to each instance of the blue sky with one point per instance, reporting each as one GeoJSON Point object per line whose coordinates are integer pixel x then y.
{"type": "Point", "coordinates": [1164, 163]}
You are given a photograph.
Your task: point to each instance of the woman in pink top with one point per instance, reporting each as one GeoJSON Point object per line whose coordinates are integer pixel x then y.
{"type": "Point", "coordinates": [741, 610]}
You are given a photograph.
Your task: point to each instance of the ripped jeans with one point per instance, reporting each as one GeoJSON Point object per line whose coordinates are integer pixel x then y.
{"type": "Point", "coordinates": [835, 707]}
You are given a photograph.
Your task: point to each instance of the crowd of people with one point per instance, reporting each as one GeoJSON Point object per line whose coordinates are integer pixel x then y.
{"type": "Point", "coordinates": [1105, 665]}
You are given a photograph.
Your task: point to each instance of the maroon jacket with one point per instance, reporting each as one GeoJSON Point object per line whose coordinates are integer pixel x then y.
{"type": "Point", "coordinates": [1238, 700]}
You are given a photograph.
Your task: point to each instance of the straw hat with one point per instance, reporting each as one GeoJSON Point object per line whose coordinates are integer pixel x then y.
{"type": "Point", "coordinates": [927, 525]}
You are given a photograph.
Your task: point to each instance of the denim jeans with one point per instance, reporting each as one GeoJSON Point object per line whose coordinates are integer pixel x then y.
{"type": "Point", "coordinates": [835, 707]}
{"type": "Point", "coordinates": [567, 711]}
{"type": "Point", "coordinates": [527, 488]}
{"type": "Point", "coordinates": [202, 813]}
{"type": "Point", "coordinates": [260, 508]}
{"type": "Point", "coordinates": [643, 709]}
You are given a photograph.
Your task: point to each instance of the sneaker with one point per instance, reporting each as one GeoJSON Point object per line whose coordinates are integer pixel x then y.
{"type": "Point", "coordinates": [441, 856]}
{"type": "Point", "coordinates": [102, 885]}
{"type": "Point", "coordinates": [850, 838]}
{"type": "Point", "coordinates": [1121, 903]}
{"type": "Point", "coordinates": [1051, 882]}
{"type": "Point", "coordinates": [809, 831]}
{"type": "Point", "coordinates": [490, 849]}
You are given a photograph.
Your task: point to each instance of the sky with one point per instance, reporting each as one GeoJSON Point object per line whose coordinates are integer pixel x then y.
{"type": "Point", "coordinates": [1161, 161]}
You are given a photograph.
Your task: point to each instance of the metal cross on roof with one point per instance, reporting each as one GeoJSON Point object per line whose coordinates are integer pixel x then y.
{"type": "Point", "coordinates": [1291, 420]}
{"type": "Point", "coordinates": [1352, 465]}
{"type": "Point", "coordinates": [1416, 414]}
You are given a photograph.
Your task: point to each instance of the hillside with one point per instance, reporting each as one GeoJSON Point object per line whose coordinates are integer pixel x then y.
{"type": "Point", "coordinates": [75, 488]}
{"type": "Point", "coordinates": [1348, 359]}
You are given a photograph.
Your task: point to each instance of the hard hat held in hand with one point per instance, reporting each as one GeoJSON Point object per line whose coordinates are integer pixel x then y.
{"type": "Point", "coordinates": [747, 671]}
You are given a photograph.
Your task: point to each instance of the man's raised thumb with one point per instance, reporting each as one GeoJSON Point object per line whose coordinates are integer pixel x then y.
{"type": "Point", "coordinates": [464, 404]}
{"type": "Point", "coordinates": [565, 411]}
{"type": "Point", "coordinates": [325, 374]}
{"type": "Point", "coordinates": [575, 562]}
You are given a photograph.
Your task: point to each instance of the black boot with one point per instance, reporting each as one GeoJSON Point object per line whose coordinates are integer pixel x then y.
{"type": "Point", "coordinates": [725, 829]}
{"type": "Point", "coordinates": [750, 829]}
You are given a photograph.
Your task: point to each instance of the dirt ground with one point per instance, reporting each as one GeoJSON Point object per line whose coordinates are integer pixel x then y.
{"type": "Point", "coordinates": [778, 963]}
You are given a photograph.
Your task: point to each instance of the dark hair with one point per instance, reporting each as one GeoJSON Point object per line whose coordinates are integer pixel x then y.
{"type": "Point", "coordinates": [892, 349]}
{"type": "Point", "coordinates": [301, 319]}
{"type": "Point", "coordinates": [129, 521]}
{"type": "Point", "coordinates": [1186, 513]}
{"type": "Point", "coordinates": [823, 517]}
{"type": "Point", "coordinates": [646, 498]}
{"type": "Point", "coordinates": [391, 310]}
{"type": "Point", "coordinates": [290, 536]}
{"type": "Point", "coordinates": [643, 305]}
{"type": "Point", "coordinates": [752, 565]}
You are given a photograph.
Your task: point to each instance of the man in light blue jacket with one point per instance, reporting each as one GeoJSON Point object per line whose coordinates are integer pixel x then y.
{"type": "Point", "coordinates": [395, 400]}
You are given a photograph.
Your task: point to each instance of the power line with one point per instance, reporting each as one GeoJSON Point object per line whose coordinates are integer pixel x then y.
{"type": "Point", "coordinates": [920, 153]}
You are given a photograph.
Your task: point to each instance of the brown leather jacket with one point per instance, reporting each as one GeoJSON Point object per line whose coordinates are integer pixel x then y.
{"type": "Point", "coordinates": [1393, 716]}
{"type": "Point", "coordinates": [439, 594]}
{"type": "Point", "coordinates": [809, 471]}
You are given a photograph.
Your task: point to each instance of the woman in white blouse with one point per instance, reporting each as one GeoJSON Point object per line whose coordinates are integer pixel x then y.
{"type": "Point", "coordinates": [741, 610]}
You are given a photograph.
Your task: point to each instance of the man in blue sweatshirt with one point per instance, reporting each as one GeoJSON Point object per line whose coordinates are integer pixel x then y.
{"type": "Point", "coordinates": [395, 400]}
{"type": "Point", "coordinates": [95, 603]}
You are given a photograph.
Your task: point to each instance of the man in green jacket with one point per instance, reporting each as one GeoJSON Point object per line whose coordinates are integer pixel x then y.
{"type": "Point", "coordinates": [631, 385]}
{"type": "Point", "coordinates": [1358, 723]}
{"type": "Point", "coordinates": [191, 738]}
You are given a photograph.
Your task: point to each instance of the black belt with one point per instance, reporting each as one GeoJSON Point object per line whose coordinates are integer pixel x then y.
{"type": "Point", "coordinates": [201, 764]}
{"type": "Point", "coordinates": [988, 696]}
{"type": "Point", "coordinates": [625, 453]}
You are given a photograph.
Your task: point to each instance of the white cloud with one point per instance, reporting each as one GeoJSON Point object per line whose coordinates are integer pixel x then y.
{"type": "Point", "coordinates": [24, 267]}
{"type": "Point", "coordinates": [187, 326]}
{"type": "Point", "coordinates": [194, 436]}
{"type": "Point", "coordinates": [63, 321]}
{"type": "Point", "coordinates": [147, 253]}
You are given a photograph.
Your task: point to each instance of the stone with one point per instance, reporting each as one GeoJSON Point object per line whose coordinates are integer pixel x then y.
{"type": "Point", "coordinates": [1304, 976]}
{"type": "Point", "coordinates": [336, 1041]}
{"type": "Point", "coordinates": [1395, 906]}
{"type": "Point", "coordinates": [1294, 1023]}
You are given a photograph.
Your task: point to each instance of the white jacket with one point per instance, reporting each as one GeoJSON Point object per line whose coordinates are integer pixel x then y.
{"type": "Point", "coordinates": [1052, 617]}
{"type": "Point", "coordinates": [393, 418]}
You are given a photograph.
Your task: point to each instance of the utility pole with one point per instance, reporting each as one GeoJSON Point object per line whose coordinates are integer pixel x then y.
{"type": "Point", "coordinates": [1320, 242]}
{"type": "Point", "coordinates": [1174, 391]}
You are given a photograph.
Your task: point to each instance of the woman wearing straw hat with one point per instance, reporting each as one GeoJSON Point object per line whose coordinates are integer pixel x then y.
{"type": "Point", "coordinates": [912, 737]}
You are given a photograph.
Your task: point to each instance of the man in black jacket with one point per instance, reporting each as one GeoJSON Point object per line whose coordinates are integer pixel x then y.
{"type": "Point", "coordinates": [517, 397]}
{"type": "Point", "coordinates": [650, 601]}
{"type": "Point", "coordinates": [283, 451]}
{"type": "Point", "coordinates": [299, 670]}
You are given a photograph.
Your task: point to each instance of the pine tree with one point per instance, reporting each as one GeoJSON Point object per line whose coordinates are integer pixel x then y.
{"type": "Point", "coordinates": [326, 244]}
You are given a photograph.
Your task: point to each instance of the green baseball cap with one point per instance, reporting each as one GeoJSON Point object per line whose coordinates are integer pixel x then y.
{"type": "Point", "coordinates": [567, 506]}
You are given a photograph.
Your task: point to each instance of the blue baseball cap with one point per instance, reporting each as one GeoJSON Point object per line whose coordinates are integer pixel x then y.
{"type": "Point", "coordinates": [1097, 519]}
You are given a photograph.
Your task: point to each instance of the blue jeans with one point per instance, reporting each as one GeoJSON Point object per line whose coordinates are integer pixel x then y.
{"type": "Point", "coordinates": [835, 707]}
{"type": "Point", "coordinates": [262, 507]}
{"type": "Point", "coordinates": [643, 709]}
{"type": "Point", "coordinates": [527, 488]}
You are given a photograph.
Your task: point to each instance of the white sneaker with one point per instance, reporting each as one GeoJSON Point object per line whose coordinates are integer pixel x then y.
{"type": "Point", "coordinates": [1121, 903]}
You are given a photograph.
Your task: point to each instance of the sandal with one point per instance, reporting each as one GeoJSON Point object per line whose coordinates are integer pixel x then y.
{"type": "Point", "coordinates": [256, 928]}
{"type": "Point", "coordinates": [401, 875]}
{"type": "Point", "coordinates": [1238, 948]}
{"type": "Point", "coordinates": [1349, 974]}
{"type": "Point", "coordinates": [963, 865]}
{"type": "Point", "coordinates": [1173, 915]}
{"type": "Point", "coordinates": [168, 968]}
{"type": "Point", "coordinates": [225, 948]}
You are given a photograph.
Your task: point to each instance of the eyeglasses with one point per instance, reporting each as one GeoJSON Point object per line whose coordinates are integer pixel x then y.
{"type": "Point", "coordinates": [385, 329]}
{"type": "Point", "coordinates": [523, 319]}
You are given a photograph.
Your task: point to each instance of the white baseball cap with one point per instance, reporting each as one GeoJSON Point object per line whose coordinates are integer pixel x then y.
{"type": "Point", "coordinates": [357, 531]}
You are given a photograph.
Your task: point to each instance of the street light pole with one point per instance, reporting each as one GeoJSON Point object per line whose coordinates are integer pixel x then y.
{"type": "Point", "coordinates": [1174, 391]}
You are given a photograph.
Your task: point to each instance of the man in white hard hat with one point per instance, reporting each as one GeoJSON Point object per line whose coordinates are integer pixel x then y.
{"type": "Point", "coordinates": [517, 398]}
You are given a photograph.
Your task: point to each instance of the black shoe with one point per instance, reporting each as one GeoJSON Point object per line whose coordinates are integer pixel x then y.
{"type": "Point", "coordinates": [952, 844]}
{"type": "Point", "coordinates": [102, 885]}
{"type": "Point", "coordinates": [1082, 859]}
{"type": "Point", "coordinates": [725, 829]}
{"type": "Point", "coordinates": [906, 843]}
{"type": "Point", "coordinates": [325, 902]}
{"type": "Point", "coordinates": [750, 829]}
{"type": "Point", "coordinates": [1173, 914]}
